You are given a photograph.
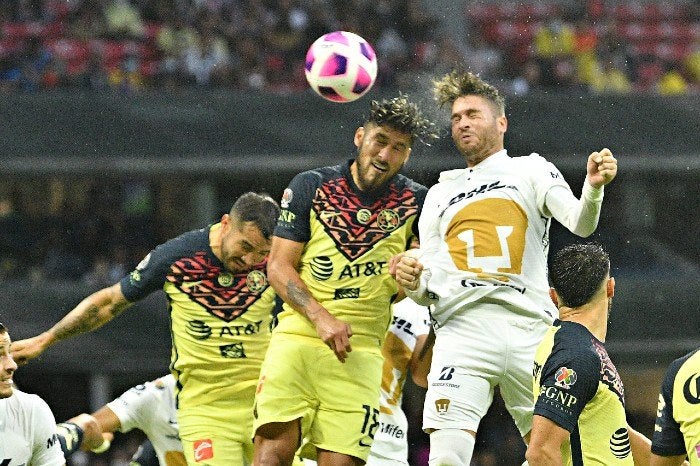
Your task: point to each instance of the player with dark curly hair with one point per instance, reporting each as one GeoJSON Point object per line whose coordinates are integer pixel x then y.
{"type": "Point", "coordinates": [338, 229]}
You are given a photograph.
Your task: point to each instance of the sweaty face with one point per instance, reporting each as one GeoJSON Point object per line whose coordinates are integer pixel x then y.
{"type": "Point", "coordinates": [477, 130]}
{"type": "Point", "coordinates": [382, 151]}
{"type": "Point", "coordinates": [242, 245]}
{"type": "Point", "coordinates": [7, 366]}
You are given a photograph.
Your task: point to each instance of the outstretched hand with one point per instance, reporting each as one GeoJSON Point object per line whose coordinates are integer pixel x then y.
{"type": "Point", "coordinates": [601, 168]}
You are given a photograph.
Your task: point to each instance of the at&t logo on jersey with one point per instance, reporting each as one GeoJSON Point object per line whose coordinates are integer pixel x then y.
{"type": "Point", "coordinates": [620, 443]}
{"type": "Point", "coordinates": [691, 389]}
{"type": "Point", "coordinates": [198, 329]}
{"type": "Point", "coordinates": [321, 268]}
{"type": "Point", "coordinates": [203, 450]}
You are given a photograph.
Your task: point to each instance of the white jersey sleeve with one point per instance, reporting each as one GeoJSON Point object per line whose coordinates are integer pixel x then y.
{"type": "Point", "coordinates": [151, 408]}
{"type": "Point", "coordinates": [409, 321]}
{"type": "Point", "coordinates": [28, 432]}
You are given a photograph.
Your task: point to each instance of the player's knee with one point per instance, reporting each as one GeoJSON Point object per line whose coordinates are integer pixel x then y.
{"type": "Point", "coordinates": [451, 447]}
{"type": "Point", "coordinates": [276, 443]}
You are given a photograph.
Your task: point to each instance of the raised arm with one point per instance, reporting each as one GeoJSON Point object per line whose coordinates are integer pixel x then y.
{"type": "Point", "coordinates": [282, 272]}
{"type": "Point", "coordinates": [91, 313]}
{"type": "Point", "coordinates": [580, 216]}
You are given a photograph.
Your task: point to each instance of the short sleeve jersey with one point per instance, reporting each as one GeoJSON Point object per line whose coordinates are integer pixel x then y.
{"type": "Point", "coordinates": [677, 429]}
{"type": "Point", "coordinates": [150, 407]}
{"type": "Point", "coordinates": [220, 320]}
{"type": "Point", "coordinates": [28, 432]}
{"type": "Point", "coordinates": [349, 238]}
{"type": "Point", "coordinates": [577, 387]}
{"type": "Point", "coordinates": [485, 236]}
{"type": "Point", "coordinates": [408, 322]}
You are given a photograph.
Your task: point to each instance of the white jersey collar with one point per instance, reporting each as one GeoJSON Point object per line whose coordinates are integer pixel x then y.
{"type": "Point", "coordinates": [487, 162]}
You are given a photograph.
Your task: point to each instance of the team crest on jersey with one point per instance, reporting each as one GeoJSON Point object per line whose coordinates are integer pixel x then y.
{"type": "Point", "coordinates": [351, 230]}
{"type": "Point", "coordinates": [364, 216]}
{"type": "Point", "coordinates": [257, 281]}
{"type": "Point", "coordinates": [565, 377]}
{"type": "Point", "coordinates": [287, 197]}
{"type": "Point", "coordinates": [442, 405]}
{"type": "Point", "coordinates": [222, 294]}
{"type": "Point", "coordinates": [225, 279]}
{"type": "Point", "coordinates": [388, 220]}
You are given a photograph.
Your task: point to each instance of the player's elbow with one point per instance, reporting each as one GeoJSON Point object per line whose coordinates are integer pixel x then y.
{"type": "Point", "coordinates": [275, 273]}
{"type": "Point", "coordinates": [584, 232]}
{"type": "Point", "coordinates": [537, 454]}
{"type": "Point", "coordinates": [420, 379]}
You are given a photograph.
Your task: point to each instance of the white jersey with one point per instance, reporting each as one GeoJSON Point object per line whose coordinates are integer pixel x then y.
{"type": "Point", "coordinates": [28, 432]}
{"type": "Point", "coordinates": [484, 235]}
{"type": "Point", "coordinates": [150, 407]}
{"type": "Point", "coordinates": [409, 321]}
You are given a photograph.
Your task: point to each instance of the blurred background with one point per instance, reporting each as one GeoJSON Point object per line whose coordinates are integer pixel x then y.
{"type": "Point", "coordinates": [127, 122]}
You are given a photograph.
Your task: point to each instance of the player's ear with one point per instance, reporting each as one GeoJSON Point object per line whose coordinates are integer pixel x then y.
{"type": "Point", "coordinates": [502, 122]}
{"type": "Point", "coordinates": [359, 134]}
{"type": "Point", "coordinates": [554, 297]}
{"type": "Point", "coordinates": [610, 287]}
{"type": "Point", "coordinates": [408, 155]}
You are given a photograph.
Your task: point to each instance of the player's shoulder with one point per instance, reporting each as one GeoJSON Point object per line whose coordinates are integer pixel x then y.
{"type": "Point", "coordinates": [448, 176]}
{"type": "Point", "coordinates": [320, 174]}
{"type": "Point", "coordinates": [406, 183]}
{"type": "Point", "coordinates": [26, 399]}
{"type": "Point", "coordinates": [688, 362]}
{"type": "Point", "coordinates": [28, 402]}
{"type": "Point", "coordinates": [530, 161]}
{"type": "Point", "coordinates": [576, 341]}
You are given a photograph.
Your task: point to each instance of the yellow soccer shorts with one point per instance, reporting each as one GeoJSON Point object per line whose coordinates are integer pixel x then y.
{"type": "Point", "coordinates": [338, 403]}
{"type": "Point", "coordinates": [219, 433]}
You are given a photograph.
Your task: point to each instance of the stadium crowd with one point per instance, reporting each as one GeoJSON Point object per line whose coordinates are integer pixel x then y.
{"type": "Point", "coordinates": [129, 45]}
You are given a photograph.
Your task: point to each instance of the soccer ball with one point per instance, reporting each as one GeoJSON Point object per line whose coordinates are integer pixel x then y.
{"type": "Point", "coordinates": [341, 66]}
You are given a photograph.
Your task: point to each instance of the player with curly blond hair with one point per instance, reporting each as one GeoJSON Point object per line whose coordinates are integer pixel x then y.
{"type": "Point", "coordinates": [482, 264]}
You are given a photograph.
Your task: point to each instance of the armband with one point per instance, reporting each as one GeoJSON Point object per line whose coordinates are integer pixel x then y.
{"type": "Point", "coordinates": [70, 436]}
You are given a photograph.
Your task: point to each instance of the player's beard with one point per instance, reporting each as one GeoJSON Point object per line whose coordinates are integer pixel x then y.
{"type": "Point", "coordinates": [368, 176]}
{"type": "Point", "coordinates": [486, 143]}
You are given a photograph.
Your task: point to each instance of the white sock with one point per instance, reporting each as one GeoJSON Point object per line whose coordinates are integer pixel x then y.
{"type": "Point", "coordinates": [451, 447]}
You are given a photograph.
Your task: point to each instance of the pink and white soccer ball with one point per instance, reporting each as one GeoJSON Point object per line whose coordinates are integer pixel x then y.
{"type": "Point", "coordinates": [341, 66]}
